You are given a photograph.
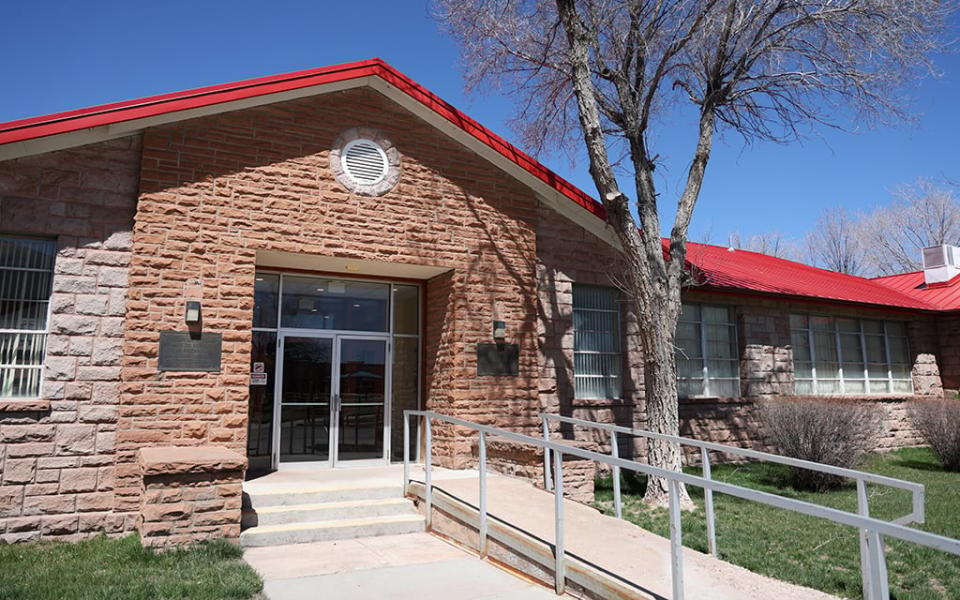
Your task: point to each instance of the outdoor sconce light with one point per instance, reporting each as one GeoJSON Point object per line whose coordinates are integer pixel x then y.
{"type": "Point", "coordinates": [192, 315]}
{"type": "Point", "coordinates": [499, 331]}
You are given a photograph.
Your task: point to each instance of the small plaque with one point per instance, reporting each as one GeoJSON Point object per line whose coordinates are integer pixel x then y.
{"type": "Point", "coordinates": [190, 351]}
{"type": "Point", "coordinates": [258, 367]}
{"type": "Point", "coordinates": [258, 379]}
{"type": "Point", "coordinates": [497, 360]}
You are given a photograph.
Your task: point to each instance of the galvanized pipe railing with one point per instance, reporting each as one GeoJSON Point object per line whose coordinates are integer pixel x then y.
{"type": "Point", "coordinates": [917, 490]}
{"type": "Point", "coordinates": [872, 530]}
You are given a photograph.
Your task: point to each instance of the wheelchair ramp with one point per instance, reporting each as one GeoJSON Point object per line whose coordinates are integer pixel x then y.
{"type": "Point", "coordinates": [607, 558]}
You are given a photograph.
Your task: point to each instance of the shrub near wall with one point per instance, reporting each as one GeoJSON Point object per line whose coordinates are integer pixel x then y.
{"type": "Point", "coordinates": [833, 432]}
{"type": "Point", "coordinates": [939, 423]}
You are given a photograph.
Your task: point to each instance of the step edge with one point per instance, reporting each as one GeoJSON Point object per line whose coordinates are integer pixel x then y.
{"type": "Point", "coordinates": [333, 524]}
{"type": "Point", "coordinates": [320, 489]}
{"type": "Point", "coordinates": [283, 508]}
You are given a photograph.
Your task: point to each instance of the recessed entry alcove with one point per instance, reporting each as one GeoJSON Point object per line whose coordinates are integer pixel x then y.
{"type": "Point", "coordinates": [335, 360]}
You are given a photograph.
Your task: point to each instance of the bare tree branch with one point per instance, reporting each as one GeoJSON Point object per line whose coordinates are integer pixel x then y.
{"type": "Point", "coordinates": [835, 243]}
{"type": "Point", "coordinates": [923, 214]}
{"type": "Point", "coordinates": [607, 72]}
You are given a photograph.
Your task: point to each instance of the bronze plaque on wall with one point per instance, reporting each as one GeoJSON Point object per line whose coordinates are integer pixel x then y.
{"type": "Point", "coordinates": [190, 351]}
{"type": "Point", "coordinates": [497, 360]}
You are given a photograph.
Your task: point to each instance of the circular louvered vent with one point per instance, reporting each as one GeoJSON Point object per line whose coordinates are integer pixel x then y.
{"type": "Point", "coordinates": [365, 162]}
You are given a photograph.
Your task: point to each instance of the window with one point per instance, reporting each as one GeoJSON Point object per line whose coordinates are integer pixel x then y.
{"type": "Point", "coordinates": [26, 280]}
{"type": "Point", "coordinates": [839, 355]}
{"type": "Point", "coordinates": [708, 362]}
{"type": "Point", "coordinates": [315, 303]}
{"type": "Point", "coordinates": [596, 342]}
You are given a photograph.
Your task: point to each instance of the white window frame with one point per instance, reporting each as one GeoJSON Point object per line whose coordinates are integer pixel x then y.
{"type": "Point", "coordinates": [45, 332]}
{"type": "Point", "coordinates": [618, 354]}
{"type": "Point", "coordinates": [707, 393]}
{"type": "Point", "coordinates": [863, 351]}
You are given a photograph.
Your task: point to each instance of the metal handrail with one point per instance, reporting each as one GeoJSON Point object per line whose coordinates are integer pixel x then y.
{"type": "Point", "coordinates": [873, 559]}
{"type": "Point", "coordinates": [916, 489]}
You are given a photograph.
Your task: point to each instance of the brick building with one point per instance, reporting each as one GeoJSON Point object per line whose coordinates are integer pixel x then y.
{"type": "Point", "coordinates": [220, 282]}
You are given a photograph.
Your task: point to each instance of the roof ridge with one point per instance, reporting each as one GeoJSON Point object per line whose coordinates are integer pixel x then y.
{"type": "Point", "coordinates": [918, 271]}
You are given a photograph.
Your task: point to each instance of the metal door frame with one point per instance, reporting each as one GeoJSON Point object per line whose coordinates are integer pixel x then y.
{"type": "Point", "coordinates": [335, 336]}
{"type": "Point", "coordinates": [387, 401]}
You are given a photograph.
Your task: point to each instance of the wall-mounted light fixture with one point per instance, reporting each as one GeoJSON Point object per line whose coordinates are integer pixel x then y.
{"type": "Point", "coordinates": [499, 331]}
{"type": "Point", "coordinates": [192, 313]}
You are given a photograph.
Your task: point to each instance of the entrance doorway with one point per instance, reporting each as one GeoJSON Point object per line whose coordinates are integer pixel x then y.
{"type": "Point", "coordinates": [334, 364]}
{"type": "Point", "coordinates": [333, 398]}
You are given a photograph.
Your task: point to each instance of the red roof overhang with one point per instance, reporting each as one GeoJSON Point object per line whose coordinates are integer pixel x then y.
{"type": "Point", "coordinates": [118, 112]}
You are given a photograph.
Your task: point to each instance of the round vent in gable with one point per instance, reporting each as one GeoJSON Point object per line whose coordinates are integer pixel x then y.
{"type": "Point", "coordinates": [365, 161]}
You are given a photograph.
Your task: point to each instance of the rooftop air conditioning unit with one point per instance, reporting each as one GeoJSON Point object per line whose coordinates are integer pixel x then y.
{"type": "Point", "coordinates": [940, 264]}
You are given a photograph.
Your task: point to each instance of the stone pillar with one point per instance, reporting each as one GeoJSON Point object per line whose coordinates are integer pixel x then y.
{"type": "Point", "coordinates": [189, 494]}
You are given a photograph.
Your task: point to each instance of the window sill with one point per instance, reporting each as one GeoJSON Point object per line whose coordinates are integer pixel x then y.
{"type": "Point", "coordinates": [713, 400]}
{"type": "Point", "coordinates": [24, 405]}
{"type": "Point", "coordinates": [898, 397]}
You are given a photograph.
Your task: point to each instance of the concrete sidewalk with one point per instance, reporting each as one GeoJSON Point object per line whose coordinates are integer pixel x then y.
{"type": "Point", "coordinates": [403, 567]}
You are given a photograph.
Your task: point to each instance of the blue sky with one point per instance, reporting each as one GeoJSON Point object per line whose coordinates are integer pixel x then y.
{"type": "Point", "coordinates": [60, 55]}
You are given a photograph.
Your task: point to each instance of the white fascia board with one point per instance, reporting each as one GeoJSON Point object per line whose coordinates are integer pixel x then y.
{"type": "Point", "coordinates": [117, 130]}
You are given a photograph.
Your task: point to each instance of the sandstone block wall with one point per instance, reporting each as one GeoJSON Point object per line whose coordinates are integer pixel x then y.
{"type": "Point", "coordinates": [948, 338]}
{"type": "Point", "coordinates": [189, 495]}
{"type": "Point", "coordinates": [568, 254]}
{"type": "Point", "coordinates": [736, 422]}
{"type": "Point", "coordinates": [524, 461]}
{"type": "Point", "coordinates": [217, 190]}
{"type": "Point", "coordinates": [57, 452]}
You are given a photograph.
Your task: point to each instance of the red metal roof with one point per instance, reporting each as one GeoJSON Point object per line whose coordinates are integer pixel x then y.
{"type": "Point", "coordinates": [943, 297]}
{"type": "Point", "coordinates": [118, 112]}
{"type": "Point", "coordinates": [716, 266]}
{"type": "Point", "coordinates": [720, 267]}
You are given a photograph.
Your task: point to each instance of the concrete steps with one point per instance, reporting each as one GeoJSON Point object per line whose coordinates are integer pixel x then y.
{"type": "Point", "coordinates": [306, 514]}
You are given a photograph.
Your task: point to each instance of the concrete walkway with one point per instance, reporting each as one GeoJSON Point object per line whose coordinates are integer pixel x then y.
{"type": "Point", "coordinates": [403, 567]}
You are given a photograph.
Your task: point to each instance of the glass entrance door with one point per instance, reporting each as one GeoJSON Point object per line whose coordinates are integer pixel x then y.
{"type": "Point", "coordinates": [333, 393]}
{"type": "Point", "coordinates": [306, 398]}
{"type": "Point", "coordinates": [361, 399]}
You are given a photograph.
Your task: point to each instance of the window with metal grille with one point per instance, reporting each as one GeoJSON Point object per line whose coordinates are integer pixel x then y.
{"type": "Point", "coordinates": [841, 355]}
{"type": "Point", "coordinates": [708, 362]}
{"type": "Point", "coordinates": [597, 360]}
{"type": "Point", "coordinates": [26, 280]}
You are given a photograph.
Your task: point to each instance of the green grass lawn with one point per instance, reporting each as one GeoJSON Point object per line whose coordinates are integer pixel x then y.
{"type": "Point", "coordinates": [120, 569]}
{"type": "Point", "coordinates": [814, 552]}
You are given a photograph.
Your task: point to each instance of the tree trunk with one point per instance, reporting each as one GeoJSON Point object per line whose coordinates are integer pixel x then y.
{"type": "Point", "coordinates": [660, 392]}
{"type": "Point", "coordinates": [653, 284]}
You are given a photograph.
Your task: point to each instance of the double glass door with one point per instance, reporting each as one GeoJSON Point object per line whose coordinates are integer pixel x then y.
{"type": "Point", "coordinates": [332, 398]}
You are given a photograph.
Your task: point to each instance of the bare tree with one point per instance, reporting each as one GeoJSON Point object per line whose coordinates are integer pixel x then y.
{"type": "Point", "coordinates": [835, 242]}
{"type": "Point", "coordinates": [923, 214]}
{"type": "Point", "coordinates": [609, 71]}
{"type": "Point", "coordinates": [771, 243]}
